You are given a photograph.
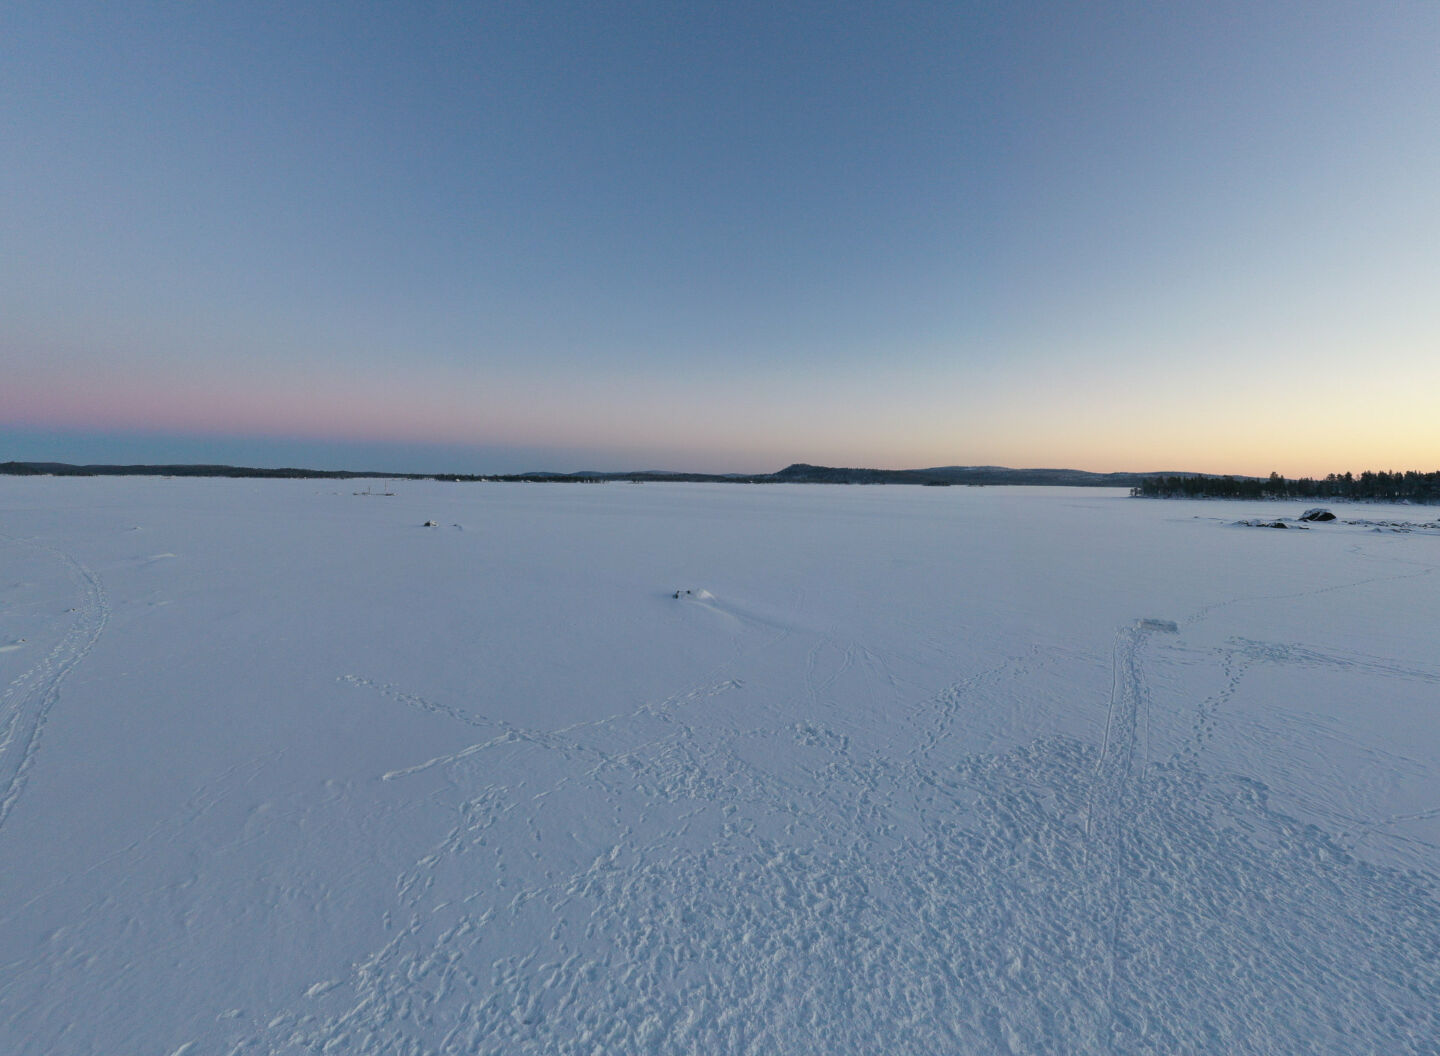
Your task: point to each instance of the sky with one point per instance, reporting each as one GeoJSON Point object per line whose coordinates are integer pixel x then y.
{"type": "Point", "coordinates": [496, 237]}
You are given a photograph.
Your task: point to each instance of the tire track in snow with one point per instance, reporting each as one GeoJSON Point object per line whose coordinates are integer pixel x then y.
{"type": "Point", "coordinates": [29, 698]}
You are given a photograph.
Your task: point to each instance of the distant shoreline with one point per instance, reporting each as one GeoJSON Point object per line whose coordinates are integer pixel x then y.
{"type": "Point", "coordinates": [799, 473]}
{"type": "Point", "coordinates": [1402, 487]}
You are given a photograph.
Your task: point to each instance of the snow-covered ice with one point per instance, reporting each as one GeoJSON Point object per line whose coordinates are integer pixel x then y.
{"type": "Point", "coordinates": [907, 770]}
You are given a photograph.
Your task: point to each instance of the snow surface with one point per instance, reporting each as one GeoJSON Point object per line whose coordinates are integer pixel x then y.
{"type": "Point", "coordinates": [909, 770]}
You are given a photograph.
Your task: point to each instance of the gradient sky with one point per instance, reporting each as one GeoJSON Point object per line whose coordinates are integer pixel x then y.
{"type": "Point", "coordinates": [722, 236]}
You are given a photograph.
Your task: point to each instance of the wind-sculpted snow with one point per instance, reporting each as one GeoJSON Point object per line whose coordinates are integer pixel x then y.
{"type": "Point", "coordinates": [1054, 898]}
{"type": "Point", "coordinates": [1038, 775]}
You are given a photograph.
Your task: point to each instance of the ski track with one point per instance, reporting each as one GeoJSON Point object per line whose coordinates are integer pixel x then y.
{"type": "Point", "coordinates": [1293, 653]}
{"type": "Point", "coordinates": [28, 700]}
{"type": "Point", "coordinates": [905, 897]}
{"type": "Point", "coordinates": [1111, 800]}
{"type": "Point", "coordinates": [1205, 610]}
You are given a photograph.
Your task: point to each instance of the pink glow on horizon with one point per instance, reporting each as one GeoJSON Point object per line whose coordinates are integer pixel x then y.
{"type": "Point", "coordinates": [350, 408]}
{"type": "Point", "coordinates": [730, 429]}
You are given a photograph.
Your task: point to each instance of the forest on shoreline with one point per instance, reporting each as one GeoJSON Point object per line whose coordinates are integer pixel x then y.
{"type": "Point", "coordinates": [1370, 486]}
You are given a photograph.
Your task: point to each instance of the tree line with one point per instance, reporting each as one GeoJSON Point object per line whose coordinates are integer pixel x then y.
{"type": "Point", "coordinates": [1370, 486]}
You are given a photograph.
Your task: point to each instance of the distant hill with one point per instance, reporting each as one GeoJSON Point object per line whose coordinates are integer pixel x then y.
{"type": "Point", "coordinates": [798, 473]}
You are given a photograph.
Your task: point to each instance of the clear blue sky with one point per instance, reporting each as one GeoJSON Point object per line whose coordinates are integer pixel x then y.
{"type": "Point", "coordinates": [446, 236]}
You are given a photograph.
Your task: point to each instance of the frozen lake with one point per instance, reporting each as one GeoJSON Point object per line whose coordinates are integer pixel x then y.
{"type": "Point", "coordinates": [903, 770]}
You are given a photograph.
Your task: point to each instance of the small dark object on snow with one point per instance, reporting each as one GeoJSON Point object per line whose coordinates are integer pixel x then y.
{"type": "Point", "coordinates": [682, 593]}
{"type": "Point", "coordinates": [430, 524]}
{"type": "Point", "coordinates": [1317, 514]}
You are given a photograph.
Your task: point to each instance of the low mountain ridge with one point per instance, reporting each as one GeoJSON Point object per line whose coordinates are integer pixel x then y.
{"type": "Point", "coordinates": [796, 473]}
